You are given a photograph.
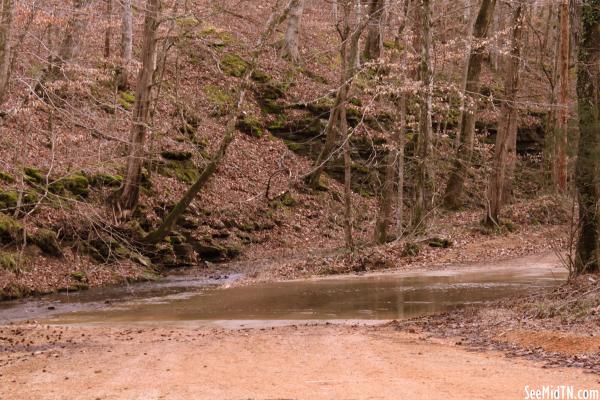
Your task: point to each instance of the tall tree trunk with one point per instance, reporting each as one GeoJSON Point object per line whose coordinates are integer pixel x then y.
{"type": "Point", "coordinates": [550, 138]}
{"type": "Point", "coordinates": [171, 219]}
{"type": "Point", "coordinates": [374, 40]}
{"type": "Point", "coordinates": [131, 188]}
{"type": "Point", "coordinates": [126, 32]}
{"type": "Point", "coordinates": [387, 195]}
{"type": "Point", "coordinates": [6, 24]}
{"type": "Point", "coordinates": [563, 96]}
{"type": "Point", "coordinates": [108, 32]}
{"type": "Point", "coordinates": [69, 47]}
{"type": "Point", "coordinates": [347, 182]}
{"type": "Point", "coordinates": [400, 166]}
{"type": "Point", "coordinates": [423, 176]}
{"type": "Point", "coordinates": [507, 130]}
{"type": "Point", "coordinates": [291, 46]}
{"type": "Point", "coordinates": [464, 152]}
{"type": "Point", "coordinates": [588, 156]}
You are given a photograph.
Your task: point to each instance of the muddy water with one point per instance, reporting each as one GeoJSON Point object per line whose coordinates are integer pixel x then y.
{"type": "Point", "coordinates": [357, 298]}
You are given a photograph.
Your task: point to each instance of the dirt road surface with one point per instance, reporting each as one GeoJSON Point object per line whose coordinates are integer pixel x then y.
{"type": "Point", "coordinates": [304, 362]}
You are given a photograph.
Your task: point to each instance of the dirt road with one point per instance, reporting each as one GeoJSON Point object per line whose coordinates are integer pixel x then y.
{"type": "Point", "coordinates": [307, 362]}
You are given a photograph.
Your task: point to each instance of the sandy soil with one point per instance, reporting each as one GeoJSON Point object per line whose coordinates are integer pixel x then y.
{"type": "Point", "coordinates": [307, 362]}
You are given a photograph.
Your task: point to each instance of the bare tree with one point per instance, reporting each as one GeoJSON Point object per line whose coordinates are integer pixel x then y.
{"type": "Point", "coordinates": [129, 195]}
{"type": "Point", "coordinates": [464, 151]}
{"type": "Point", "coordinates": [588, 157]}
{"type": "Point", "coordinates": [108, 32]}
{"type": "Point", "coordinates": [563, 95]}
{"type": "Point", "coordinates": [291, 44]}
{"type": "Point", "coordinates": [126, 31]}
{"type": "Point", "coordinates": [507, 129]}
{"type": "Point", "coordinates": [350, 36]}
{"type": "Point", "coordinates": [374, 39]}
{"type": "Point", "coordinates": [423, 175]}
{"type": "Point", "coordinates": [394, 163]}
{"type": "Point", "coordinates": [6, 23]}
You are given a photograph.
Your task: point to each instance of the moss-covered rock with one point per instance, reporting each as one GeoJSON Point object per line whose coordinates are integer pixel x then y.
{"type": "Point", "coordinates": [10, 262]}
{"type": "Point", "coordinates": [10, 229]}
{"type": "Point", "coordinates": [77, 183]}
{"type": "Point", "coordinates": [13, 291]}
{"type": "Point", "coordinates": [261, 76]}
{"type": "Point", "coordinates": [233, 65]}
{"type": "Point", "coordinates": [221, 100]}
{"type": "Point", "coordinates": [285, 199]}
{"type": "Point", "coordinates": [251, 125]}
{"type": "Point", "coordinates": [184, 171]}
{"type": "Point", "coordinates": [78, 276]}
{"type": "Point", "coordinates": [126, 100]}
{"type": "Point", "coordinates": [274, 107]}
{"type": "Point", "coordinates": [6, 177]}
{"type": "Point", "coordinates": [176, 155]}
{"type": "Point", "coordinates": [271, 90]}
{"type": "Point", "coordinates": [106, 180]}
{"type": "Point", "coordinates": [34, 175]}
{"type": "Point", "coordinates": [322, 107]}
{"type": "Point", "coordinates": [8, 199]}
{"type": "Point", "coordinates": [47, 241]}
{"type": "Point", "coordinates": [217, 38]}
{"type": "Point", "coordinates": [441, 243]}
{"type": "Point", "coordinates": [411, 249]}
{"type": "Point", "coordinates": [209, 250]}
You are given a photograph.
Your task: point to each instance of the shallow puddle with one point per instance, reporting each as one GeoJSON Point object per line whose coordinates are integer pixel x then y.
{"type": "Point", "coordinates": [357, 298]}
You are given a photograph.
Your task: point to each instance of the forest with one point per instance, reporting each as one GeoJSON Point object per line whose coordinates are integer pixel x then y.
{"type": "Point", "coordinates": [299, 199]}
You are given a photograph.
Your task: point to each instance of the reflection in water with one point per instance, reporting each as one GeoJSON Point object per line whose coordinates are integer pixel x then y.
{"type": "Point", "coordinates": [372, 298]}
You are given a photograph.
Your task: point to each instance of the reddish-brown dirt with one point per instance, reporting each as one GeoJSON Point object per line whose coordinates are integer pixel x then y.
{"type": "Point", "coordinates": [307, 362]}
{"type": "Point", "coordinates": [561, 342]}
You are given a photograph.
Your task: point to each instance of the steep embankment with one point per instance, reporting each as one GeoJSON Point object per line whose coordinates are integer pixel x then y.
{"type": "Point", "coordinates": [64, 148]}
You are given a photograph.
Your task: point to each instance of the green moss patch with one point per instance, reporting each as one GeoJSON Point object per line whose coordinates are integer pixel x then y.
{"type": "Point", "coordinates": [34, 175]}
{"type": "Point", "coordinates": [47, 241]}
{"type": "Point", "coordinates": [6, 177]}
{"type": "Point", "coordinates": [10, 262]}
{"type": "Point", "coordinates": [10, 229]}
{"type": "Point", "coordinates": [184, 171]}
{"type": "Point", "coordinates": [218, 98]}
{"type": "Point", "coordinates": [107, 180]}
{"type": "Point", "coordinates": [8, 199]}
{"type": "Point", "coordinates": [233, 65]}
{"type": "Point", "coordinates": [176, 155]}
{"type": "Point", "coordinates": [250, 125]}
{"type": "Point", "coordinates": [126, 100]}
{"type": "Point", "coordinates": [78, 184]}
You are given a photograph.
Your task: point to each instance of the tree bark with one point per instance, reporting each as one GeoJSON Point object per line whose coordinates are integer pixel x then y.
{"type": "Point", "coordinates": [108, 32]}
{"type": "Point", "coordinates": [347, 182]}
{"type": "Point", "coordinates": [563, 97]}
{"type": "Point", "coordinates": [171, 219]}
{"type": "Point", "coordinates": [423, 176]}
{"type": "Point", "coordinates": [464, 152]}
{"type": "Point", "coordinates": [70, 44]}
{"type": "Point", "coordinates": [374, 41]}
{"type": "Point", "coordinates": [126, 32]}
{"type": "Point", "coordinates": [386, 197]}
{"type": "Point", "coordinates": [291, 46]}
{"type": "Point", "coordinates": [507, 130]}
{"type": "Point", "coordinates": [6, 24]}
{"type": "Point", "coordinates": [131, 187]}
{"type": "Point", "coordinates": [588, 156]}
